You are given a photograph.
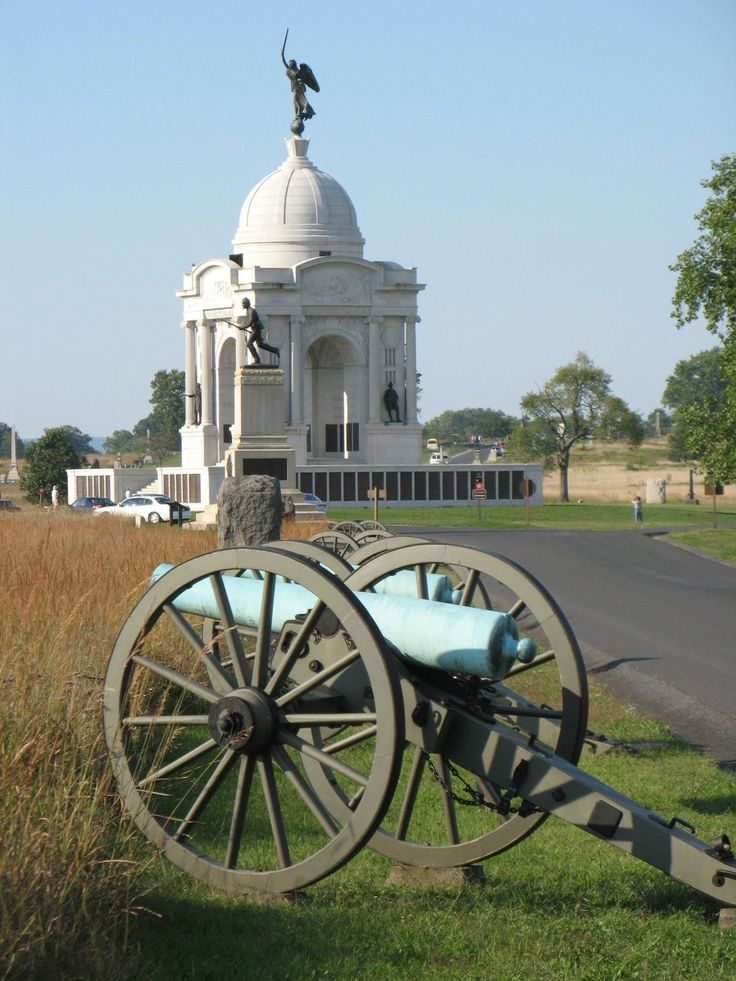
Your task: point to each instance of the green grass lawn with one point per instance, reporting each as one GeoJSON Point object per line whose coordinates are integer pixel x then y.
{"type": "Point", "coordinates": [720, 543]}
{"type": "Point", "coordinates": [559, 905]}
{"type": "Point", "coordinates": [551, 517]}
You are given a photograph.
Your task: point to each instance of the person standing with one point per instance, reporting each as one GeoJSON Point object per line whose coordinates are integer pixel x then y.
{"type": "Point", "coordinates": [54, 497]}
{"type": "Point", "coordinates": [638, 515]}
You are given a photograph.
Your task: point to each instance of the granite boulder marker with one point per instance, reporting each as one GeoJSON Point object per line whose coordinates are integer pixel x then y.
{"type": "Point", "coordinates": [249, 511]}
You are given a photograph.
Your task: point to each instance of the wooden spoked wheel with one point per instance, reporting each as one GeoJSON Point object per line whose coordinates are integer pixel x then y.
{"type": "Point", "coordinates": [351, 528]}
{"type": "Point", "coordinates": [547, 699]}
{"type": "Point", "coordinates": [338, 542]}
{"type": "Point", "coordinates": [370, 524]}
{"type": "Point", "coordinates": [209, 752]}
{"type": "Point", "coordinates": [367, 535]}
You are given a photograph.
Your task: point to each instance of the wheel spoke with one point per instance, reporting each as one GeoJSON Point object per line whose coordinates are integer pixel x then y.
{"type": "Point", "coordinates": [242, 793]}
{"type": "Point", "coordinates": [165, 771]}
{"type": "Point", "coordinates": [448, 804]}
{"type": "Point", "coordinates": [165, 720]}
{"type": "Point", "coordinates": [352, 740]}
{"type": "Point", "coordinates": [215, 671]}
{"type": "Point", "coordinates": [469, 587]}
{"type": "Point", "coordinates": [232, 637]}
{"type": "Point", "coordinates": [518, 607]}
{"type": "Point", "coordinates": [306, 793]}
{"type": "Point", "coordinates": [491, 794]}
{"type": "Point", "coordinates": [295, 648]}
{"type": "Point", "coordinates": [420, 571]}
{"type": "Point", "coordinates": [330, 719]}
{"type": "Point", "coordinates": [205, 795]}
{"type": "Point", "coordinates": [263, 639]}
{"type": "Point", "coordinates": [318, 678]}
{"type": "Point", "coordinates": [308, 749]}
{"type": "Point", "coordinates": [418, 763]}
{"type": "Point", "coordinates": [177, 678]}
{"type": "Point", "coordinates": [278, 830]}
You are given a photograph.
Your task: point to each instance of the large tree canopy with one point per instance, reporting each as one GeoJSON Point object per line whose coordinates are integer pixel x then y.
{"type": "Point", "coordinates": [706, 286]}
{"type": "Point", "coordinates": [167, 416]}
{"type": "Point", "coordinates": [80, 442]}
{"type": "Point", "coordinates": [47, 461]}
{"type": "Point", "coordinates": [706, 272]}
{"type": "Point", "coordinates": [575, 404]}
{"type": "Point", "coordinates": [697, 383]}
{"type": "Point", "coordinates": [463, 423]}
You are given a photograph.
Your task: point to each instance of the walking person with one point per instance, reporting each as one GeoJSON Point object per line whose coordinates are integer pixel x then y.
{"type": "Point", "coordinates": [638, 516]}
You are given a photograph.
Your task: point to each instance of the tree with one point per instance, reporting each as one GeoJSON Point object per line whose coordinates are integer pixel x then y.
{"type": "Point", "coordinates": [121, 441]}
{"type": "Point", "coordinates": [709, 427]}
{"type": "Point", "coordinates": [167, 417]}
{"type": "Point", "coordinates": [466, 422]}
{"type": "Point", "coordinates": [5, 442]}
{"type": "Point", "coordinates": [531, 441]}
{"type": "Point", "coordinates": [706, 286]}
{"type": "Point", "coordinates": [569, 407]}
{"type": "Point", "coordinates": [47, 461]}
{"type": "Point", "coordinates": [658, 423]}
{"type": "Point", "coordinates": [697, 383]}
{"type": "Point", "coordinates": [80, 442]}
{"type": "Point", "coordinates": [620, 422]}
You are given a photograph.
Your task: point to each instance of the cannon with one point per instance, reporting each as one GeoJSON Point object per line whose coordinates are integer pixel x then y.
{"type": "Point", "coordinates": [270, 711]}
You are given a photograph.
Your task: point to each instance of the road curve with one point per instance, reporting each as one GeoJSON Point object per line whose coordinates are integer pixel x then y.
{"type": "Point", "coordinates": [656, 623]}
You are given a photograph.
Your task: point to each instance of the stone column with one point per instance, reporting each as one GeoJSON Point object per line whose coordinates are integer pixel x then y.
{"type": "Point", "coordinates": [241, 351]}
{"type": "Point", "coordinates": [411, 370]}
{"type": "Point", "coordinates": [190, 371]}
{"type": "Point", "coordinates": [205, 351]}
{"type": "Point", "coordinates": [375, 386]}
{"type": "Point", "coordinates": [297, 371]}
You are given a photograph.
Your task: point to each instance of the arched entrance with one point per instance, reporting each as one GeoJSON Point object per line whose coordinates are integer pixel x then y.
{"type": "Point", "coordinates": [335, 397]}
{"type": "Point", "coordinates": [225, 395]}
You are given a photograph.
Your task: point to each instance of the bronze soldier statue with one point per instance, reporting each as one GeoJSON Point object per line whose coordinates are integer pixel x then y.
{"type": "Point", "coordinates": [391, 401]}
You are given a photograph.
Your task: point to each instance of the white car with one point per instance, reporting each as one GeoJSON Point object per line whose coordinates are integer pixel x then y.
{"type": "Point", "coordinates": [151, 507]}
{"type": "Point", "coordinates": [439, 458]}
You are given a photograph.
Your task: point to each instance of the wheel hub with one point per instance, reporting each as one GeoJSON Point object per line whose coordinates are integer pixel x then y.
{"type": "Point", "coordinates": [242, 721]}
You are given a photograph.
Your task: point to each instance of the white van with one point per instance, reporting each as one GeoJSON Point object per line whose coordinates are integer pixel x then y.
{"type": "Point", "coordinates": [439, 458]}
{"type": "Point", "coordinates": [432, 444]}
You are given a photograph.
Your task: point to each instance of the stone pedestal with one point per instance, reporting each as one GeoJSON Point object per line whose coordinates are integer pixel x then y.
{"type": "Point", "coordinates": [392, 442]}
{"type": "Point", "coordinates": [259, 441]}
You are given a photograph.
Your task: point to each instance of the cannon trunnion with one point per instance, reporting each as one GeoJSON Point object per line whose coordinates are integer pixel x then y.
{"type": "Point", "coordinates": [270, 711]}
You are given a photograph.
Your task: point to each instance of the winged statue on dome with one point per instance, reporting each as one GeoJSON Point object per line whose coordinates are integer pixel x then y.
{"type": "Point", "coordinates": [300, 78]}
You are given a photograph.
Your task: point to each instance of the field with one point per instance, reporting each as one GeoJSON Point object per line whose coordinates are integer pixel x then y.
{"type": "Point", "coordinates": [82, 896]}
{"type": "Point", "coordinates": [615, 472]}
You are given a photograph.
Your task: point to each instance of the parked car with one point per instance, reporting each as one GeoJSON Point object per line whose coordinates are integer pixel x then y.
{"type": "Point", "coordinates": [91, 503]}
{"type": "Point", "coordinates": [151, 507]}
{"type": "Point", "coordinates": [439, 458]}
{"type": "Point", "coordinates": [432, 444]}
{"type": "Point", "coordinates": [315, 502]}
{"type": "Point", "coordinates": [8, 505]}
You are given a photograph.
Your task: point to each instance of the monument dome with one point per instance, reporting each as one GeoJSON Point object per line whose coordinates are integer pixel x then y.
{"type": "Point", "coordinates": [295, 213]}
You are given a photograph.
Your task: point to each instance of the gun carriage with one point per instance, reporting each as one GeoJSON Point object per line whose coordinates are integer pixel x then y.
{"type": "Point", "coordinates": [270, 711]}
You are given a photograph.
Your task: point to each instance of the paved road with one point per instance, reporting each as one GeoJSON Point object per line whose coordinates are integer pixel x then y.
{"type": "Point", "coordinates": [655, 622]}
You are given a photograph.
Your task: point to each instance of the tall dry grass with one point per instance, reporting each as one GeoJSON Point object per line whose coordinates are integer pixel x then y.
{"type": "Point", "coordinates": [67, 876]}
{"type": "Point", "coordinates": [71, 865]}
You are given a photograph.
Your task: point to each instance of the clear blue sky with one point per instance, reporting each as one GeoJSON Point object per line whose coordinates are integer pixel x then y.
{"type": "Point", "coordinates": [539, 162]}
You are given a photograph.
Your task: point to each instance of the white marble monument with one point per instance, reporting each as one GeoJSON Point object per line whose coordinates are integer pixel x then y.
{"type": "Point", "coordinates": [12, 476]}
{"type": "Point", "coordinates": [345, 327]}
